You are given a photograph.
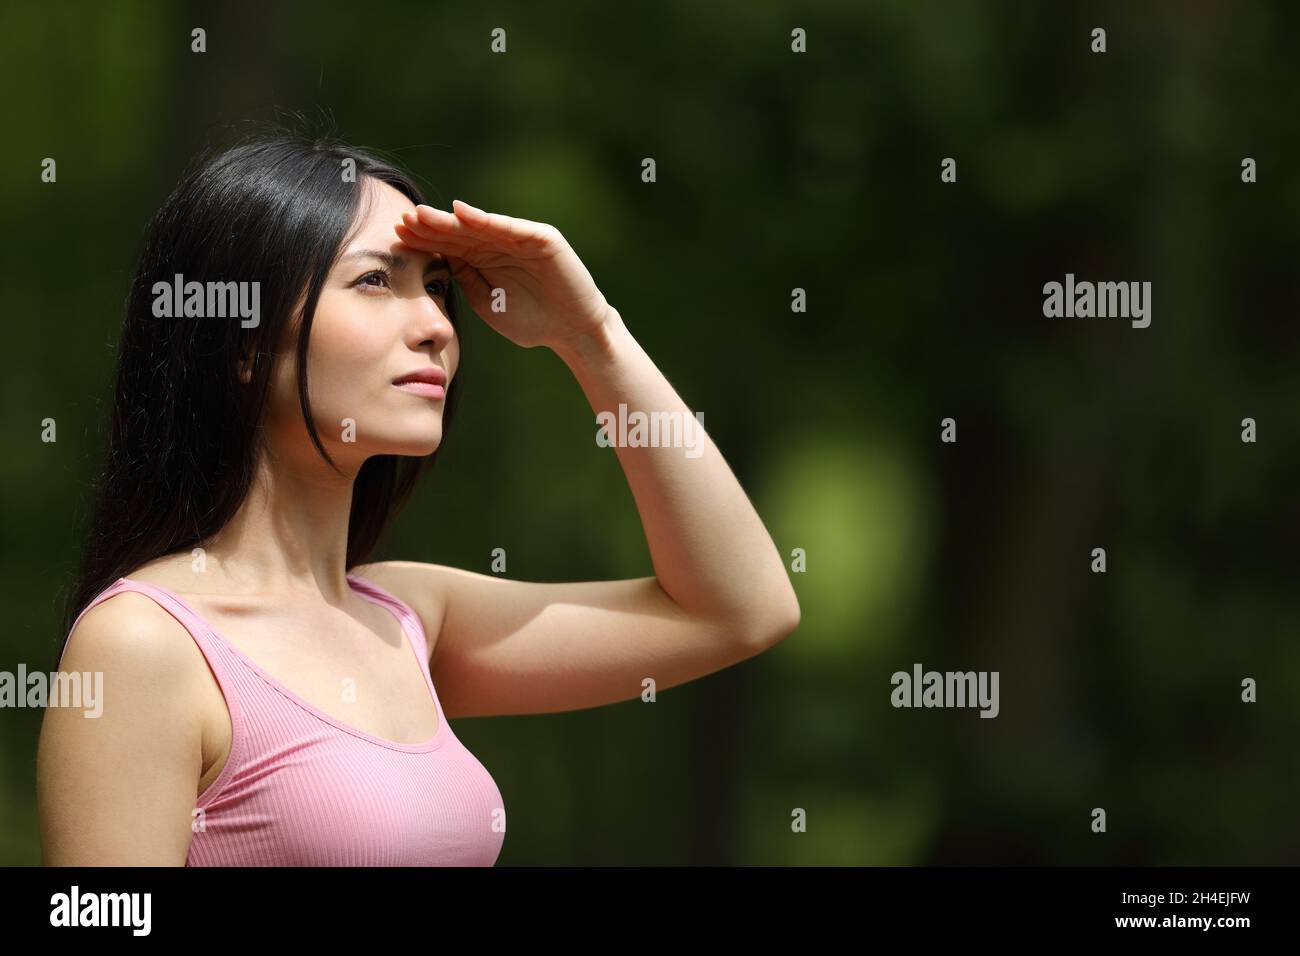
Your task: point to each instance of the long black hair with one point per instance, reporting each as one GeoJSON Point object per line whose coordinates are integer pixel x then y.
{"type": "Point", "coordinates": [276, 208]}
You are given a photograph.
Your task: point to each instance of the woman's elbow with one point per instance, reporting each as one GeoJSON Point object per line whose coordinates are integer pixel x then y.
{"type": "Point", "coordinates": [777, 622]}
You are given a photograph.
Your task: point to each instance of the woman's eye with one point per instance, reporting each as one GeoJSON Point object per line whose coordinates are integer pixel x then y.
{"type": "Point", "coordinates": [380, 280]}
{"type": "Point", "coordinates": [375, 280]}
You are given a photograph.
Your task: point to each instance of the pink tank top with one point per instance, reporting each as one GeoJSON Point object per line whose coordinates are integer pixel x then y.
{"type": "Point", "coordinates": [302, 788]}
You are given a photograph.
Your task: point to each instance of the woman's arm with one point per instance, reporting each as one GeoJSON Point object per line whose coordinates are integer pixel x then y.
{"type": "Point", "coordinates": [119, 789]}
{"type": "Point", "coordinates": [711, 553]}
{"type": "Point", "coordinates": [720, 591]}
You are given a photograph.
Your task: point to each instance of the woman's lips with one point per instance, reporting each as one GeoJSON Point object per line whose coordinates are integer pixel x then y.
{"type": "Point", "coordinates": [424, 389]}
{"type": "Point", "coordinates": [428, 382]}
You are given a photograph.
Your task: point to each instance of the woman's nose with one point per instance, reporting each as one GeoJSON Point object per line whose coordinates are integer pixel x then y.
{"type": "Point", "coordinates": [431, 324]}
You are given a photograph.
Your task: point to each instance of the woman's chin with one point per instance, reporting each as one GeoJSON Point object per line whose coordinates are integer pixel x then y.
{"type": "Point", "coordinates": [415, 447]}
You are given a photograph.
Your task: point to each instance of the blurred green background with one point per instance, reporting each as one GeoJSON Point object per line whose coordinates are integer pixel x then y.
{"type": "Point", "coordinates": [779, 170]}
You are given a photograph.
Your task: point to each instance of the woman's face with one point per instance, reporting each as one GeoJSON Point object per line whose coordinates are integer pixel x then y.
{"type": "Point", "coordinates": [381, 315]}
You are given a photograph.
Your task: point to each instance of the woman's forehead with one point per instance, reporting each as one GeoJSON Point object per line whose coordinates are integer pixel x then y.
{"type": "Point", "coordinates": [382, 210]}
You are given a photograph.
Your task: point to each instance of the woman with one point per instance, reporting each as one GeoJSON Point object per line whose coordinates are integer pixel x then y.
{"type": "Point", "coordinates": [261, 702]}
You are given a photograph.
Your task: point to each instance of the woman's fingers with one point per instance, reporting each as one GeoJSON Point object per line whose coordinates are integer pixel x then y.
{"type": "Point", "coordinates": [414, 235]}
{"type": "Point", "coordinates": [441, 230]}
{"type": "Point", "coordinates": [482, 239]}
{"type": "Point", "coordinates": [489, 226]}
{"type": "Point", "coordinates": [475, 253]}
{"type": "Point", "coordinates": [437, 220]}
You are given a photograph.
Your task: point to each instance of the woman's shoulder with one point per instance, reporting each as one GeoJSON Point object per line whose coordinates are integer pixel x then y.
{"type": "Point", "coordinates": [129, 630]}
{"type": "Point", "coordinates": [148, 735]}
{"type": "Point", "coordinates": [137, 635]}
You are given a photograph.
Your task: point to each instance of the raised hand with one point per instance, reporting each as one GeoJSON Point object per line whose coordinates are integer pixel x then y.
{"type": "Point", "coordinates": [548, 295]}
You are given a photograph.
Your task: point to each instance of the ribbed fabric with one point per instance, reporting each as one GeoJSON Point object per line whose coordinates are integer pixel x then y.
{"type": "Point", "coordinates": [302, 788]}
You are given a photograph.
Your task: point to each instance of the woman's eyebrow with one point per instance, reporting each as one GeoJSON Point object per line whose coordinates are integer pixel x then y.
{"type": "Point", "coordinates": [395, 261]}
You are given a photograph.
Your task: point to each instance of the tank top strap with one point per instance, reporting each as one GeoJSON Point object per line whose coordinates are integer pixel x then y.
{"type": "Point", "coordinates": [414, 626]}
{"type": "Point", "coordinates": [220, 660]}
{"type": "Point", "coordinates": [117, 587]}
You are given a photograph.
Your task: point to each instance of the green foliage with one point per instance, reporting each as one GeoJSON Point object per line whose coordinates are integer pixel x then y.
{"type": "Point", "coordinates": [776, 171]}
